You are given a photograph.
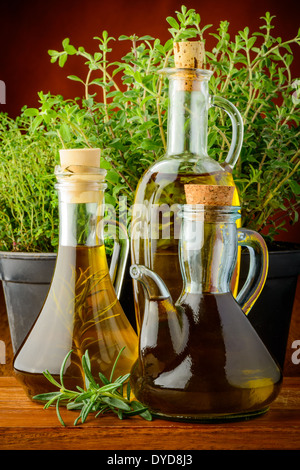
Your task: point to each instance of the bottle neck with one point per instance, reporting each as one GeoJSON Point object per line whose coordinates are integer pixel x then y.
{"type": "Point", "coordinates": [187, 115]}
{"type": "Point", "coordinates": [208, 251]}
{"type": "Point", "coordinates": [80, 223]}
{"type": "Point", "coordinates": [81, 205]}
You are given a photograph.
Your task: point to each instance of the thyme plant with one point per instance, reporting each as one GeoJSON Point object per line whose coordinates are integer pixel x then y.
{"type": "Point", "coordinates": [123, 110]}
{"type": "Point", "coordinates": [28, 203]}
{"type": "Point", "coordinates": [254, 72]}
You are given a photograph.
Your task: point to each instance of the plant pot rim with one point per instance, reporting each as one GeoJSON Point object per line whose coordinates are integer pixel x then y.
{"type": "Point", "coordinates": [291, 250]}
{"type": "Point", "coordinates": [26, 255]}
{"type": "Point", "coordinates": [26, 267]}
{"type": "Point", "coordinates": [283, 247]}
{"type": "Point", "coordinates": [282, 263]}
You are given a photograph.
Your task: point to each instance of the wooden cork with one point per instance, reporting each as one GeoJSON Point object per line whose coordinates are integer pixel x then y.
{"type": "Point", "coordinates": [188, 58]}
{"type": "Point", "coordinates": [189, 54]}
{"type": "Point", "coordinates": [209, 195]}
{"type": "Point", "coordinates": [80, 163]}
{"type": "Point", "coordinates": [79, 157]}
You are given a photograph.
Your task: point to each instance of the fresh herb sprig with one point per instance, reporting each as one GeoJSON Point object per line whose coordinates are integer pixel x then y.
{"type": "Point", "coordinates": [112, 396]}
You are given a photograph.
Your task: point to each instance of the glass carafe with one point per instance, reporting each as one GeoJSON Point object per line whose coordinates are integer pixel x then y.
{"type": "Point", "coordinates": [200, 358]}
{"type": "Point", "coordinates": [82, 311]}
{"type": "Point", "coordinates": [154, 227]}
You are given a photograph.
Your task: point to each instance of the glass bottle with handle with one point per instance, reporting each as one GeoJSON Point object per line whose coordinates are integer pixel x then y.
{"type": "Point", "coordinates": [199, 356]}
{"type": "Point", "coordinates": [155, 223]}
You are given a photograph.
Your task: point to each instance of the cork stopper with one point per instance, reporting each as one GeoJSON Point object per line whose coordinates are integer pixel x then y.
{"type": "Point", "coordinates": [189, 54]}
{"type": "Point", "coordinates": [188, 58]}
{"type": "Point", "coordinates": [82, 157]}
{"type": "Point", "coordinates": [210, 195]}
{"type": "Point", "coordinates": [83, 167]}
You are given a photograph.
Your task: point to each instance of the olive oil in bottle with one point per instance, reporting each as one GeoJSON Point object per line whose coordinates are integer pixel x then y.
{"type": "Point", "coordinates": [199, 357]}
{"type": "Point", "coordinates": [212, 369]}
{"type": "Point", "coordinates": [155, 224]}
{"type": "Point", "coordinates": [81, 312]}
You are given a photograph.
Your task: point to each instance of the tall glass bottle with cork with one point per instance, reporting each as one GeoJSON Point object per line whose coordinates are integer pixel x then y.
{"type": "Point", "coordinates": [82, 311]}
{"type": "Point", "coordinates": [155, 223]}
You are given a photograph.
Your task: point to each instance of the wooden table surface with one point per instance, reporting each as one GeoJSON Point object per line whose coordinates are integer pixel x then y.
{"type": "Point", "coordinates": [26, 425]}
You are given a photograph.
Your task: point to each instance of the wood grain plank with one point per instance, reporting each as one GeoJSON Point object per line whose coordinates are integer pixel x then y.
{"type": "Point", "coordinates": [26, 425]}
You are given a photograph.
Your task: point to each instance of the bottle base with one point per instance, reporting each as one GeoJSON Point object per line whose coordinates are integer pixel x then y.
{"type": "Point", "coordinates": [213, 419]}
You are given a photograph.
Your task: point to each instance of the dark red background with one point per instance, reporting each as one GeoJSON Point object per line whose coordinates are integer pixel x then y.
{"type": "Point", "coordinates": [29, 28]}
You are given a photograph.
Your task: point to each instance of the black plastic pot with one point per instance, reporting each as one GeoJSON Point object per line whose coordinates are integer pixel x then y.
{"type": "Point", "coordinates": [26, 278]}
{"type": "Point", "coordinates": [271, 314]}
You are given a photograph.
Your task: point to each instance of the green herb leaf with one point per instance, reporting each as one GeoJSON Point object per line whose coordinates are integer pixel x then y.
{"type": "Point", "coordinates": [61, 373]}
{"type": "Point", "coordinates": [107, 398]}
{"type": "Point", "coordinates": [172, 22]}
{"type": "Point", "coordinates": [115, 363]}
{"type": "Point", "coordinates": [116, 403]}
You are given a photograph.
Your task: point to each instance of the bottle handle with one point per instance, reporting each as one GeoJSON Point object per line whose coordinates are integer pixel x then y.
{"type": "Point", "coordinates": [258, 268]}
{"type": "Point", "coordinates": [237, 128]}
{"type": "Point", "coordinates": [120, 254]}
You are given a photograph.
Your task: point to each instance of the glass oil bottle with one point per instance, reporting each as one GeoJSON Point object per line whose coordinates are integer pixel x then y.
{"type": "Point", "coordinates": [199, 356]}
{"type": "Point", "coordinates": [155, 223]}
{"type": "Point", "coordinates": [82, 311]}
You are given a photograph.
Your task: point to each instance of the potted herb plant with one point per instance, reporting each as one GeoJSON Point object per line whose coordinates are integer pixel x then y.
{"type": "Point", "coordinates": [254, 71]}
{"type": "Point", "coordinates": [123, 111]}
{"type": "Point", "coordinates": [28, 221]}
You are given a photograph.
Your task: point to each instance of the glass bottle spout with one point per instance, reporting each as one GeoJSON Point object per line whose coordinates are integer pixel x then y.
{"type": "Point", "coordinates": [154, 286]}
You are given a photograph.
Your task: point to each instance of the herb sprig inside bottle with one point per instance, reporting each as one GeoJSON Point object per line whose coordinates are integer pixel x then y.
{"type": "Point", "coordinates": [112, 396]}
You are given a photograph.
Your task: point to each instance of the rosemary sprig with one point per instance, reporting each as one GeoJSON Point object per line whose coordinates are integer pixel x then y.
{"type": "Point", "coordinates": [112, 396]}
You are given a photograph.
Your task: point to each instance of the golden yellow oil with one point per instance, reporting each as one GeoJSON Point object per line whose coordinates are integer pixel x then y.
{"type": "Point", "coordinates": [81, 313]}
